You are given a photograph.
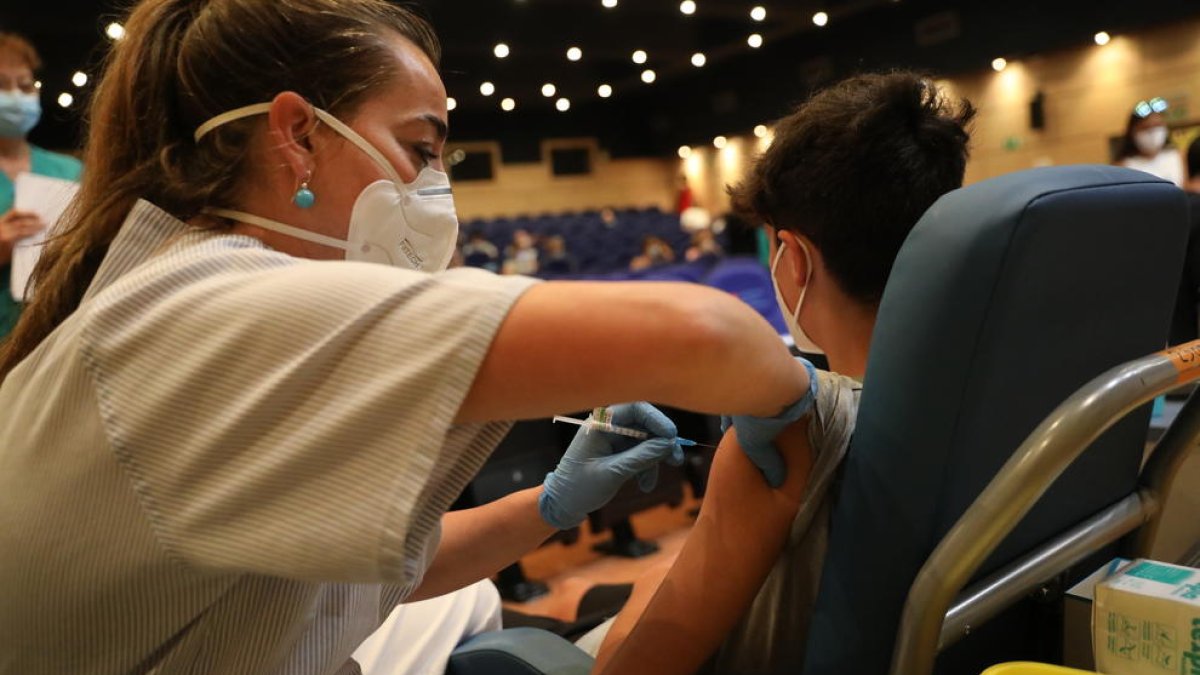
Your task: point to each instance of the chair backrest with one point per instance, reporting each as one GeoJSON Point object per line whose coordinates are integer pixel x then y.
{"type": "Point", "coordinates": [1006, 297]}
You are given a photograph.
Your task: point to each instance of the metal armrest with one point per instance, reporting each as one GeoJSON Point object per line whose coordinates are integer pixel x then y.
{"type": "Point", "coordinates": [519, 651]}
{"type": "Point", "coordinates": [1044, 455]}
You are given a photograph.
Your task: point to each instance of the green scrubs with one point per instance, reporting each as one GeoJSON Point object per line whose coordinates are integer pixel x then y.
{"type": "Point", "coordinates": [44, 163]}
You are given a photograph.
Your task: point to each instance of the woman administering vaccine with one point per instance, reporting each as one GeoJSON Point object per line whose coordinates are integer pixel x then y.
{"type": "Point", "coordinates": [247, 389]}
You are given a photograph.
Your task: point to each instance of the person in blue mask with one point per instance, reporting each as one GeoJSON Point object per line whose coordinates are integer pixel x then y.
{"type": "Point", "coordinates": [20, 112]}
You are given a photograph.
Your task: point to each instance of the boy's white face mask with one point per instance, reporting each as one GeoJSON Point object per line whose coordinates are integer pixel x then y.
{"type": "Point", "coordinates": [792, 317]}
{"type": "Point", "coordinates": [411, 225]}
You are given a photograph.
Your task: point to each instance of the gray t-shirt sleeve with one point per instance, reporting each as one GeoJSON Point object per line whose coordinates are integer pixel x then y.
{"type": "Point", "coordinates": [296, 420]}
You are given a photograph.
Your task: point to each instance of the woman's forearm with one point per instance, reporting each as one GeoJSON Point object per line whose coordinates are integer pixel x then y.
{"type": "Point", "coordinates": [477, 543]}
{"type": "Point", "coordinates": [572, 346]}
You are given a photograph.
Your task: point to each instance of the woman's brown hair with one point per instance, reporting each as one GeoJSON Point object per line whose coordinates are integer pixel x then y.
{"type": "Point", "coordinates": [13, 46]}
{"type": "Point", "coordinates": [181, 63]}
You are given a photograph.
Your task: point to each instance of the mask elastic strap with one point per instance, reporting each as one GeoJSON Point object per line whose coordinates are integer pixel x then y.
{"type": "Point", "coordinates": [334, 123]}
{"type": "Point", "coordinates": [807, 276]}
{"type": "Point", "coordinates": [276, 226]}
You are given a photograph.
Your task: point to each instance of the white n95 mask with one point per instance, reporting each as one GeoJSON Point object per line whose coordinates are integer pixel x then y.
{"type": "Point", "coordinates": [792, 318]}
{"type": "Point", "coordinates": [413, 225]}
{"type": "Point", "coordinates": [1151, 141]}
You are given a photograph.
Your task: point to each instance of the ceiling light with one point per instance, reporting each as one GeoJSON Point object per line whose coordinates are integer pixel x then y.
{"type": "Point", "coordinates": [79, 79]}
{"type": "Point", "coordinates": [563, 104]}
{"type": "Point", "coordinates": [639, 57]}
{"type": "Point", "coordinates": [758, 13]}
{"type": "Point", "coordinates": [1103, 38]}
{"type": "Point", "coordinates": [65, 100]}
{"type": "Point", "coordinates": [501, 51]}
{"type": "Point", "coordinates": [720, 142]}
{"type": "Point", "coordinates": [604, 91]}
{"type": "Point", "coordinates": [699, 59]}
{"type": "Point", "coordinates": [649, 76]}
{"type": "Point", "coordinates": [549, 90]}
{"type": "Point", "coordinates": [609, 3]}
{"type": "Point", "coordinates": [508, 105]}
{"type": "Point", "coordinates": [999, 64]}
{"type": "Point", "coordinates": [451, 103]}
{"type": "Point", "coordinates": [114, 31]}
{"type": "Point", "coordinates": [487, 88]}
{"type": "Point", "coordinates": [688, 7]}
{"type": "Point", "coordinates": [574, 54]}
{"type": "Point", "coordinates": [37, 85]}
{"type": "Point", "coordinates": [820, 18]}
{"type": "Point", "coordinates": [755, 41]}
{"type": "Point", "coordinates": [761, 131]}
{"type": "Point", "coordinates": [685, 151]}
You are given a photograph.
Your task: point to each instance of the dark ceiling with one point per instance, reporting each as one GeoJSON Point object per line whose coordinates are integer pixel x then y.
{"type": "Point", "coordinates": [736, 89]}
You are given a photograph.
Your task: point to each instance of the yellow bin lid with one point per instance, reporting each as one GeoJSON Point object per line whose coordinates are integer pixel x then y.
{"type": "Point", "coordinates": [1033, 669]}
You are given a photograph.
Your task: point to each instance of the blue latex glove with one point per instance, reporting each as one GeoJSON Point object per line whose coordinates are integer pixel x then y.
{"type": "Point", "coordinates": [757, 435]}
{"type": "Point", "coordinates": [597, 464]}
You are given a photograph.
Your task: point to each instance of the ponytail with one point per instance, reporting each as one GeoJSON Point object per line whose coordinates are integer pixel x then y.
{"type": "Point", "coordinates": [182, 62]}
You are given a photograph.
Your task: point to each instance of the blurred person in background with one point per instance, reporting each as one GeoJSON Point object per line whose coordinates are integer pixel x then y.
{"type": "Point", "coordinates": [521, 257]}
{"type": "Point", "coordinates": [556, 259]}
{"type": "Point", "coordinates": [1146, 144]}
{"type": "Point", "coordinates": [704, 247]}
{"type": "Point", "coordinates": [655, 252]}
{"type": "Point", "coordinates": [20, 112]}
{"type": "Point", "coordinates": [479, 252]}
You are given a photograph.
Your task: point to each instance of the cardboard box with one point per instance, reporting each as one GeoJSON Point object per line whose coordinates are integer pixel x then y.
{"type": "Point", "coordinates": [1146, 621]}
{"type": "Point", "coordinates": [1077, 616]}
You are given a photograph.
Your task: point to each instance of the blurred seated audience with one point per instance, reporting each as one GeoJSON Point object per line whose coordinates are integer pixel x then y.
{"type": "Point", "coordinates": [479, 252]}
{"type": "Point", "coordinates": [849, 175]}
{"type": "Point", "coordinates": [521, 257]}
{"type": "Point", "coordinates": [704, 247]}
{"type": "Point", "coordinates": [655, 251]}
{"type": "Point", "coordinates": [1146, 146]}
{"type": "Point", "coordinates": [556, 259]}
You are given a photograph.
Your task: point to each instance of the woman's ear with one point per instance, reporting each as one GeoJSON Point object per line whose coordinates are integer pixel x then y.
{"type": "Point", "coordinates": [290, 125]}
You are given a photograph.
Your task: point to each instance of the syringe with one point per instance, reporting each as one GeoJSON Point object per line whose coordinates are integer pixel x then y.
{"type": "Point", "coordinates": [595, 425]}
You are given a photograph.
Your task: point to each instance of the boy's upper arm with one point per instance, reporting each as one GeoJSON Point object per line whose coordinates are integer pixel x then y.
{"type": "Point", "coordinates": [741, 531]}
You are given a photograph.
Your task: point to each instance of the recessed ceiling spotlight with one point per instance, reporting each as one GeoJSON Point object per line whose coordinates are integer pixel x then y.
{"type": "Point", "coordinates": [999, 64]}
{"type": "Point", "coordinates": [755, 41]}
{"type": "Point", "coordinates": [508, 105]}
{"type": "Point", "coordinates": [699, 59]}
{"type": "Point", "coordinates": [720, 142]}
{"type": "Point", "coordinates": [115, 31]}
{"type": "Point", "coordinates": [761, 131]}
{"type": "Point", "coordinates": [1102, 38]}
{"type": "Point", "coordinates": [685, 151]}
{"type": "Point", "coordinates": [640, 56]}
{"type": "Point", "coordinates": [604, 91]}
{"type": "Point", "coordinates": [563, 104]}
{"type": "Point", "coordinates": [501, 51]}
{"type": "Point", "coordinates": [574, 54]}
{"type": "Point", "coordinates": [649, 76]}
{"type": "Point", "coordinates": [451, 103]}
{"type": "Point", "coordinates": [688, 7]}
{"type": "Point", "coordinates": [820, 19]}
{"type": "Point", "coordinates": [608, 4]}
{"type": "Point", "coordinates": [759, 13]}
{"type": "Point", "coordinates": [549, 90]}
{"type": "Point", "coordinates": [487, 88]}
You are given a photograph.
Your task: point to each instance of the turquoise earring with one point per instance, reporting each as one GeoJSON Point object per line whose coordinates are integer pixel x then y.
{"type": "Point", "coordinates": [304, 197]}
